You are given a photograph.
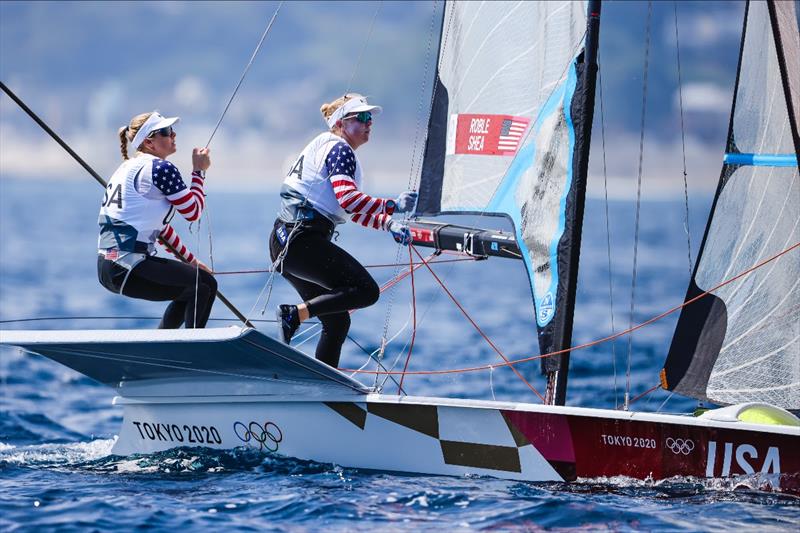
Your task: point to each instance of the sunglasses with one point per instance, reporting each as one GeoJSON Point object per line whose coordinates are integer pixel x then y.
{"type": "Point", "coordinates": [364, 116]}
{"type": "Point", "coordinates": [164, 132]}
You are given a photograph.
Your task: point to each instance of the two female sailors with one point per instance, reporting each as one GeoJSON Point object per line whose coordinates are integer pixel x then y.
{"type": "Point", "coordinates": [321, 191]}
{"type": "Point", "coordinates": [140, 200]}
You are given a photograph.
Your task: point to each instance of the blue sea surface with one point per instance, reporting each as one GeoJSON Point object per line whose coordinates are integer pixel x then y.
{"type": "Point", "coordinates": [57, 427]}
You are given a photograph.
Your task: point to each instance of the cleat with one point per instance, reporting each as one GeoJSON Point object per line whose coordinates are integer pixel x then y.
{"type": "Point", "coordinates": [288, 322]}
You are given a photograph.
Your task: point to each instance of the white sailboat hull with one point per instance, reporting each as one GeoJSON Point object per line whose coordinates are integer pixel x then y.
{"type": "Point", "coordinates": [456, 437]}
{"type": "Point", "coordinates": [229, 388]}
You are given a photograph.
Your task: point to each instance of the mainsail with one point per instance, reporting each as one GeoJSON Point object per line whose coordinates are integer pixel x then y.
{"type": "Point", "coordinates": [508, 135]}
{"type": "Point", "coordinates": [742, 343]}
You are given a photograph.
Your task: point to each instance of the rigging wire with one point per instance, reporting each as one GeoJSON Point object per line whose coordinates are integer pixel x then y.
{"type": "Point", "coordinates": [197, 272]}
{"type": "Point", "coordinates": [414, 325]}
{"type": "Point", "coordinates": [381, 265]}
{"type": "Point", "coordinates": [608, 236]}
{"type": "Point", "coordinates": [431, 301]}
{"type": "Point", "coordinates": [477, 328]}
{"type": "Point", "coordinates": [207, 211]}
{"type": "Point", "coordinates": [642, 395]}
{"type": "Point", "coordinates": [416, 163]}
{"type": "Point", "coordinates": [246, 70]}
{"type": "Point", "coordinates": [526, 359]}
{"type": "Point", "coordinates": [638, 200]}
{"type": "Point", "coordinates": [610, 337]}
{"type": "Point", "coordinates": [687, 226]}
{"type": "Point", "coordinates": [668, 398]}
{"type": "Point", "coordinates": [364, 46]}
{"type": "Point", "coordinates": [413, 181]}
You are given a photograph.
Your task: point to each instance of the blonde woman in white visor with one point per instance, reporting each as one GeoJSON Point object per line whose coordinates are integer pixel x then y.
{"type": "Point", "coordinates": [321, 191]}
{"type": "Point", "coordinates": [141, 198]}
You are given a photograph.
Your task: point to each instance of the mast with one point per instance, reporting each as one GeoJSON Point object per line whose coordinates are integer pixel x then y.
{"type": "Point", "coordinates": [556, 368]}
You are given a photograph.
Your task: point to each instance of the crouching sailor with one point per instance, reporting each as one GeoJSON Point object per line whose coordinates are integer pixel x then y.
{"type": "Point", "coordinates": [323, 189]}
{"type": "Point", "coordinates": [140, 200]}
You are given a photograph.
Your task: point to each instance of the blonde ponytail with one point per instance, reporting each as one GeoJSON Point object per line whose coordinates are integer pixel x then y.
{"type": "Point", "coordinates": [128, 133]}
{"type": "Point", "coordinates": [123, 142]}
{"type": "Point", "coordinates": [328, 109]}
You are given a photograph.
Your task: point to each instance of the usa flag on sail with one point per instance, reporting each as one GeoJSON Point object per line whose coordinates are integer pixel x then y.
{"type": "Point", "coordinates": [474, 134]}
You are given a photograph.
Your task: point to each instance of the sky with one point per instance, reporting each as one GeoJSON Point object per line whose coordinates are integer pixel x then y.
{"type": "Point", "coordinates": [87, 67]}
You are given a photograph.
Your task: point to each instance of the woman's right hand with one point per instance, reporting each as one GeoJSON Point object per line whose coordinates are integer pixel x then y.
{"type": "Point", "coordinates": [201, 159]}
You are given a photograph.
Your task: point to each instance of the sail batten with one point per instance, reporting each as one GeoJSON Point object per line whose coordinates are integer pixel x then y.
{"type": "Point", "coordinates": [765, 160]}
{"type": "Point", "coordinates": [743, 343]}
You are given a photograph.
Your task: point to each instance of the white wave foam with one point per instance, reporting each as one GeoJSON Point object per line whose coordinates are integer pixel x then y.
{"type": "Point", "coordinates": [758, 481]}
{"type": "Point", "coordinates": [56, 454]}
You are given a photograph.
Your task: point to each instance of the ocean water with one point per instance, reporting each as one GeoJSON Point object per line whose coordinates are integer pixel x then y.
{"type": "Point", "coordinates": [57, 427]}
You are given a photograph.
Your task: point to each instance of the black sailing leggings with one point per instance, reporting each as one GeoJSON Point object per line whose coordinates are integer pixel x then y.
{"type": "Point", "coordinates": [157, 279]}
{"type": "Point", "coordinates": [329, 279]}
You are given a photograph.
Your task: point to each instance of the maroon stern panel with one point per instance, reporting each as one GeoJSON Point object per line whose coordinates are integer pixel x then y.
{"type": "Point", "coordinates": [601, 447]}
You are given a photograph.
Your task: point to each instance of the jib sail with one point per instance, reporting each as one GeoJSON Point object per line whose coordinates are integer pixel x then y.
{"type": "Point", "coordinates": [508, 136]}
{"type": "Point", "coordinates": [742, 343]}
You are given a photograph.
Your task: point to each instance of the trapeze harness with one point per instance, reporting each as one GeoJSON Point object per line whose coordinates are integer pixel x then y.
{"type": "Point", "coordinates": [321, 191]}
{"type": "Point", "coordinates": [140, 200]}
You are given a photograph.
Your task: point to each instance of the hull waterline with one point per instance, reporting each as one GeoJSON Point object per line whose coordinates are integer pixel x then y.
{"type": "Point", "coordinates": [457, 437]}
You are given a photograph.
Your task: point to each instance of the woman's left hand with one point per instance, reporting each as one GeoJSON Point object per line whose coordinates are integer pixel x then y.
{"type": "Point", "coordinates": [400, 233]}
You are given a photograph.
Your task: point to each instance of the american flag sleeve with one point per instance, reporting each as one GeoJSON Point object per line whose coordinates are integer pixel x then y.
{"type": "Point", "coordinates": [189, 202]}
{"type": "Point", "coordinates": [170, 236]}
{"type": "Point", "coordinates": [366, 210]}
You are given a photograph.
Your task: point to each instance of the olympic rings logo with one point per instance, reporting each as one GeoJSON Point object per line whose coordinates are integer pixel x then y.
{"type": "Point", "coordinates": [680, 446]}
{"type": "Point", "coordinates": [268, 436]}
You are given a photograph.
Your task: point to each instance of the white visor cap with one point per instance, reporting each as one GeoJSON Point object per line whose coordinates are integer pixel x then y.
{"type": "Point", "coordinates": [356, 104]}
{"type": "Point", "coordinates": [154, 122]}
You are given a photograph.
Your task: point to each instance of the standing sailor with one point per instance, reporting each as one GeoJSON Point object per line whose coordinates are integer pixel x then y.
{"type": "Point", "coordinates": [322, 190]}
{"type": "Point", "coordinates": [140, 200]}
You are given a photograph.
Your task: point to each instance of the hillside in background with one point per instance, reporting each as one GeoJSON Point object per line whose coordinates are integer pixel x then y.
{"type": "Point", "coordinates": [87, 67]}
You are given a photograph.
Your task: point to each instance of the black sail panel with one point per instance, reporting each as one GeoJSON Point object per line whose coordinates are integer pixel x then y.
{"type": "Point", "coordinates": [430, 187]}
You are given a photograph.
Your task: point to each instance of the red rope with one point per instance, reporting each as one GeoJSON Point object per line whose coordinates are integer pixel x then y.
{"type": "Point", "coordinates": [267, 270]}
{"type": "Point", "coordinates": [403, 275]}
{"type": "Point", "coordinates": [414, 314]}
{"type": "Point", "coordinates": [477, 328]}
{"type": "Point", "coordinates": [595, 342]}
{"type": "Point", "coordinates": [645, 393]}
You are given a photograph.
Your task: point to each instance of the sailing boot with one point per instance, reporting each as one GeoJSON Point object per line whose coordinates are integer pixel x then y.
{"type": "Point", "coordinates": [288, 322]}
